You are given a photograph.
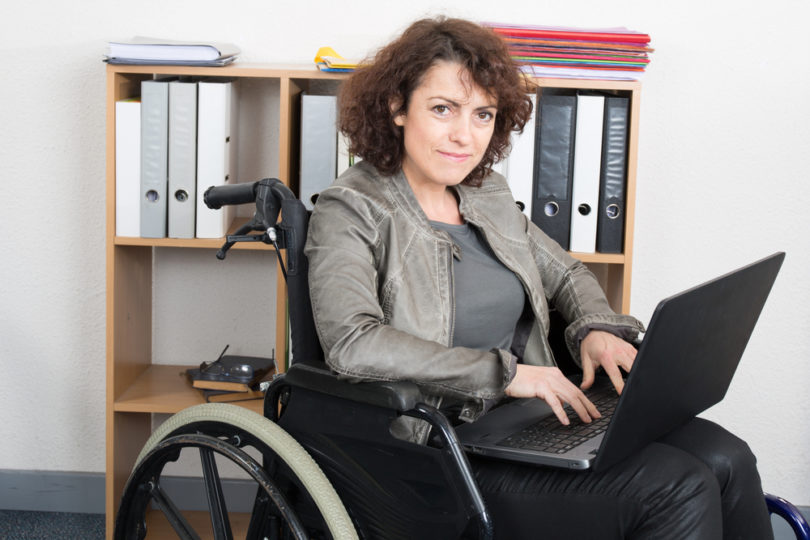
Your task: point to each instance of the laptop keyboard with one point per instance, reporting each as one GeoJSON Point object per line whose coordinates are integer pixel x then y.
{"type": "Point", "coordinates": [549, 435]}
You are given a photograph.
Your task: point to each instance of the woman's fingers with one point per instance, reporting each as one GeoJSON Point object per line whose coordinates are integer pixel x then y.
{"type": "Point", "coordinates": [608, 351]}
{"type": "Point", "coordinates": [550, 385]}
{"type": "Point", "coordinates": [586, 410]}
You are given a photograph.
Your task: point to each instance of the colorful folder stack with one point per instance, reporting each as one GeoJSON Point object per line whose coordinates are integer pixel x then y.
{"type": "Point", "coordinates": [327, 59]}
{"type": "Point", "coordinates": [549, 51]}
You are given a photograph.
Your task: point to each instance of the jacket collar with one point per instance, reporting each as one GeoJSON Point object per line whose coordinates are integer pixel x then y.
{"type": "Point", "coordinates": [404, 195]}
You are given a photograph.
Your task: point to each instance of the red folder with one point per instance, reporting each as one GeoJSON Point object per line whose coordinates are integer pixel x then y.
{"type": "Point", "coordinates": [576, 35]}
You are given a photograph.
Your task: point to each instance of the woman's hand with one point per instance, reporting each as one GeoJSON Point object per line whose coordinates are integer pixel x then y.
{"type": "Point", "coordinates": [608, 351]}
{"type": "Point", "coordinates": [550, 385]}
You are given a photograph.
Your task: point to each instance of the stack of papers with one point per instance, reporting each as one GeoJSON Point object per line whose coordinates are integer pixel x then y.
{"type": "Point", "coordinates": [551, 51]}
{"type": "Point", "coordinates": [328, 60]}
{"type": "Point", "coordinates": [144, 50]}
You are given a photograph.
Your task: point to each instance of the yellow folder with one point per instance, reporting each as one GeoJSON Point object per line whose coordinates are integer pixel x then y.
{"type": "Point", "coordinates": [329, 57]}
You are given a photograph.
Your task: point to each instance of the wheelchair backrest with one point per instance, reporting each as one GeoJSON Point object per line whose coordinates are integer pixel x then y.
{"type": "Point", "coordinates": [306, 348]}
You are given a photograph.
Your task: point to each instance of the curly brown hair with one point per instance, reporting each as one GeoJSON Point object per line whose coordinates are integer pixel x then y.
{"type": "Point", "coordinates": [366, 98]}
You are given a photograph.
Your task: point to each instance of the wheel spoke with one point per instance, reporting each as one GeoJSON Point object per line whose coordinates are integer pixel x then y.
{"type": "Point", "coordinates": [203, 428]}
{"type": "Point", "coordinates": [173, 515]}
{"type": "Point", "coordinates": [216, 498]}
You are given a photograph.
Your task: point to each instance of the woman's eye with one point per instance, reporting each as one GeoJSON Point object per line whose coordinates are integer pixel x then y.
{"type": "Point", "coordinates": [485, 116]}
{"type": "Point", "coordinates": [441, 109]}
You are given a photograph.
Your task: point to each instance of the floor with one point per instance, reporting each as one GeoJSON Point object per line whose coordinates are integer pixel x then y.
{"type": "Point", "coordinates": [23, 525]}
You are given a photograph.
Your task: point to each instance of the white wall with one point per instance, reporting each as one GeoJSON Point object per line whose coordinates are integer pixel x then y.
{"type": "Point", "coordinates": [722, 180]}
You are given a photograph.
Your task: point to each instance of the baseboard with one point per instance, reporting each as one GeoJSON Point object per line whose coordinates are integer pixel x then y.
{"type": "Point", "coordinates": [49, 491]}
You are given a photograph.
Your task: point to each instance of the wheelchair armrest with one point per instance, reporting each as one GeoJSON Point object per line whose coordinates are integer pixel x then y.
{"type": "Point", "coordinates": [400, 396]}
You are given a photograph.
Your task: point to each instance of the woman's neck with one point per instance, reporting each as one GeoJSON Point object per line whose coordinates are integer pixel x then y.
{"type": "Point", "coordinates": [439, 203]}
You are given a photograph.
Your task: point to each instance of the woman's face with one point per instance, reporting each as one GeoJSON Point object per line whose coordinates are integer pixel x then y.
{"type": "Point", "coordinates": [447, 127]}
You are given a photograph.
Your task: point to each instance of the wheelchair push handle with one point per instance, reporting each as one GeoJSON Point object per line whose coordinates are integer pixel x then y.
{"type": "Point", "coordinates": [216, 197]}
{"type": "Point", "coordinates": [268, 194]}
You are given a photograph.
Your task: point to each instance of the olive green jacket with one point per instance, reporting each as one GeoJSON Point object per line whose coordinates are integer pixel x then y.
{"type": "Point", "coordinates": [381, 282]}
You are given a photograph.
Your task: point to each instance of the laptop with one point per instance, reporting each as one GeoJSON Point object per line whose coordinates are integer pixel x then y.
{"type": "Point", "coordinates": [684, 365]}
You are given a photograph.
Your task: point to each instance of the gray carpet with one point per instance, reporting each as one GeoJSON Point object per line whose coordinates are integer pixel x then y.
{"type": "Point", "coordinates": [25, 525]}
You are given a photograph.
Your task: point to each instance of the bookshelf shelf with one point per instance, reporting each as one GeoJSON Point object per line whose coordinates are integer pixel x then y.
{"type": "Point", "coordinates": [159, 527]}
{"type": "Point", "coordinates": [165, 389]}
{"type": "Point", "coordinates": [600, 258]}
{"type": "Point", "coordinates": [583, 84]}
{"type": "Point", "coordinates": [205, 243]}
{"type": "Point", "coordinates": [137, 387]}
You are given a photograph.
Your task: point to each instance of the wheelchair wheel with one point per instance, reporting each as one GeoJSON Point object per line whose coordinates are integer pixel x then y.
{"type": "Point", "coordinates": [293, 498]}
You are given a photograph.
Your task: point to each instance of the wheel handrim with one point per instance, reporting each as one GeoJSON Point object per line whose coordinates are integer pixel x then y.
{"type": "Point", "coordinates": [145, 488]}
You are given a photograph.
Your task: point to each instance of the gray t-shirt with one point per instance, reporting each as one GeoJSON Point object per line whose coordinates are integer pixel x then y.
{"type": "Point", "coordinates": [489, 297]}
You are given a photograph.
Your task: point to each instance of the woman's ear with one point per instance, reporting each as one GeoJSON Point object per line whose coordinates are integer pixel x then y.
{"type": "Point", "coordinates": [397, 114]}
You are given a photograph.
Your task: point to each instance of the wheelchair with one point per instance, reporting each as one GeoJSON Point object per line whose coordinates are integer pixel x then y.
{"type": "Point", "coordinates": [321, 461]}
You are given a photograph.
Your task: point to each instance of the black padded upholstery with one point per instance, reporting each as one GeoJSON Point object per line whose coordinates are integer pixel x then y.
{"type": "Point", "coordinates": [293, 226]}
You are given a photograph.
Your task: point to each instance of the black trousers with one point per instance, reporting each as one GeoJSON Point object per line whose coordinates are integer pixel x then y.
{"type": "Point", "coordinates": [698, 482]}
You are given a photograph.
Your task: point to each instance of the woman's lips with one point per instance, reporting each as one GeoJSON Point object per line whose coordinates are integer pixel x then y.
{"type": "Point", "coordinates": [455, 157]}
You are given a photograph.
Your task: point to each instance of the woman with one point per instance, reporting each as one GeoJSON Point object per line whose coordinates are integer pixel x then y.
{"type": "Point", "coordinates": [422, 268]}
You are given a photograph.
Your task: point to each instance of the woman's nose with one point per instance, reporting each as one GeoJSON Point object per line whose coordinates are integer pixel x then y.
{"type": "Point", "coordinates": [460, 130]}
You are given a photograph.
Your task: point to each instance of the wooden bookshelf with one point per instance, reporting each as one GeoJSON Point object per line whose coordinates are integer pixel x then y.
{"type": "Point", "coordinates": [159, 527]}
{"type": "Point", "coordinates": [139, 385]}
